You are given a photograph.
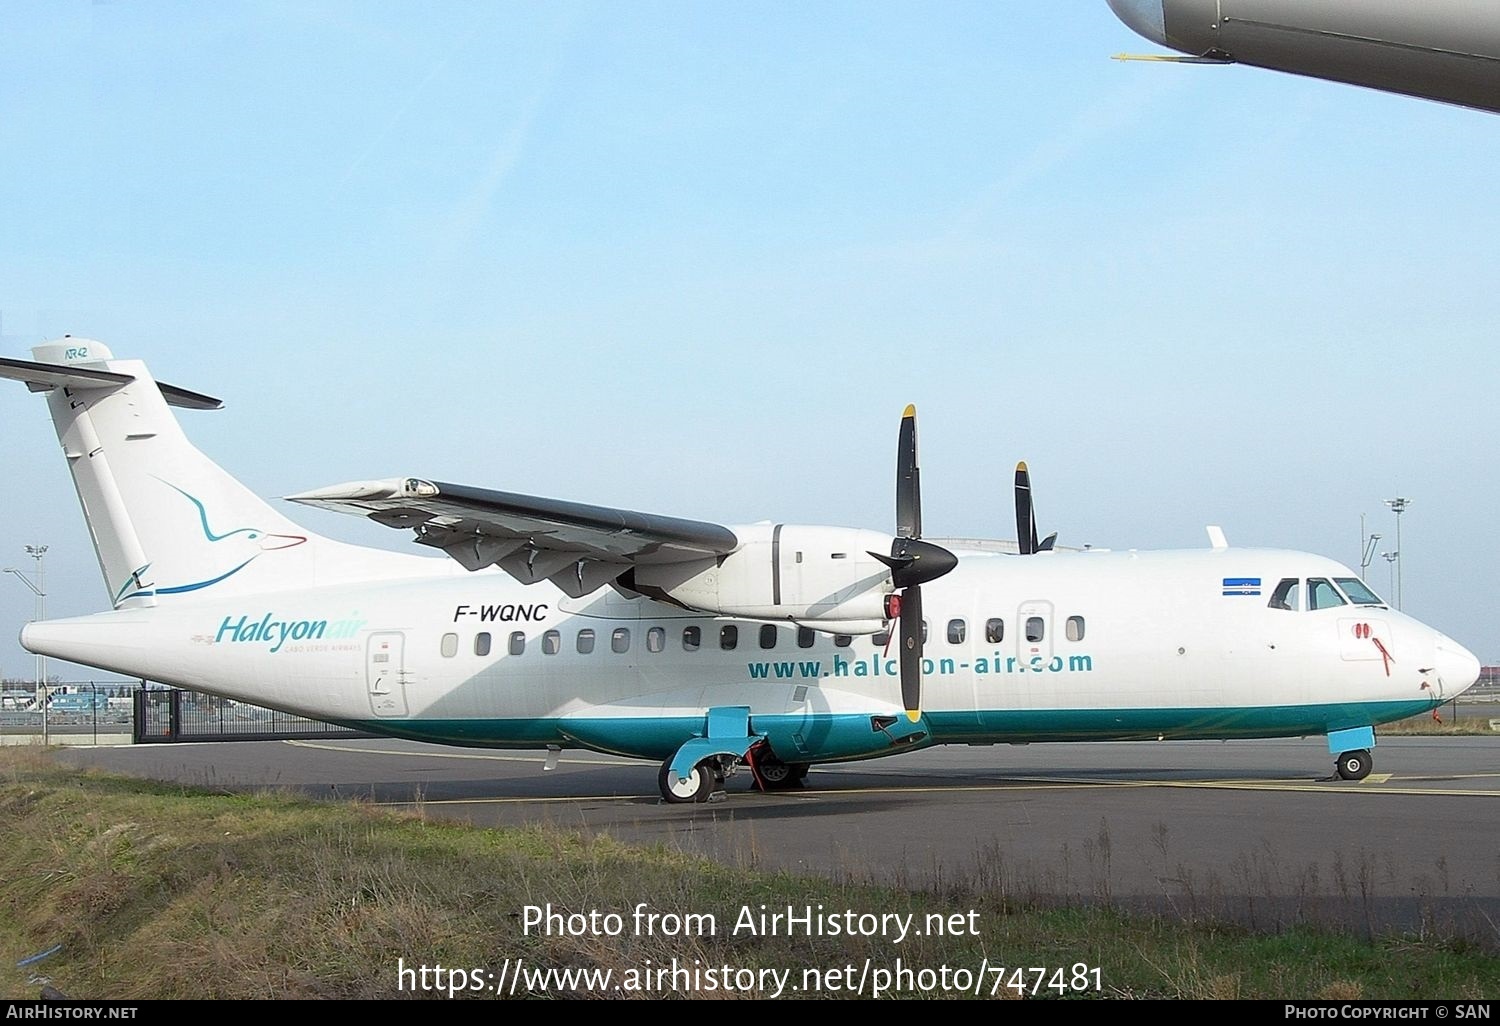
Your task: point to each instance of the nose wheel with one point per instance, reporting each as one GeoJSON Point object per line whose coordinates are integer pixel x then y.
{"type": "Point", "coordinates": [1354, 765]}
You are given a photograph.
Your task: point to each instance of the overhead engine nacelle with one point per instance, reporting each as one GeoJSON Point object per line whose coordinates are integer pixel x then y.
{"type": "Point", "coordinates": [822, 577]}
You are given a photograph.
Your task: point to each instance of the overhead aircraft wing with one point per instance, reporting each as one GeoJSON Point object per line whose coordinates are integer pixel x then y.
{"type": "Point", "coordinates": [576, 546]}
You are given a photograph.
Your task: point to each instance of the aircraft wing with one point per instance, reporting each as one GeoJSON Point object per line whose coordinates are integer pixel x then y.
{"type": "Point", "coordinates": [576, 546]}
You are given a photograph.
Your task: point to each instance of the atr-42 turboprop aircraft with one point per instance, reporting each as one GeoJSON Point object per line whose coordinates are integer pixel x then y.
{"type": "Point", "coordinates": [553, 625]}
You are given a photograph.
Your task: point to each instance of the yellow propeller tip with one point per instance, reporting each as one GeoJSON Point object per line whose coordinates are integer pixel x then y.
{"type": "Point", "coordinates": [1021, 467]}
{"type": "Point", "coordinates": [911, 410]}
{"type": "Point", "coordinates": [914, 715]}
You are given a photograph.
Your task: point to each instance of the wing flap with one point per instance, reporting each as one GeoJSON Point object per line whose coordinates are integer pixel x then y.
{"type": "Point", "coordinates": [578, 547]}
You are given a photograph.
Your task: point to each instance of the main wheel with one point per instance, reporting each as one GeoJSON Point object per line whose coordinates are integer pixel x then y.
{"type": "Point", "coordinates": [1355, 765]}
{"type": "Point", "coordinates": [702, 780]}
{"type": "Point", "coordinates": [776, 775]}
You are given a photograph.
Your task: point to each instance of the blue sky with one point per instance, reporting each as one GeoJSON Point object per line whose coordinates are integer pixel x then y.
{"type": "Point", "coordinates": [694, 259]}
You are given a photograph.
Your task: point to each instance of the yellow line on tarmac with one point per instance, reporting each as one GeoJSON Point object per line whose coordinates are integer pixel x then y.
{"type": "Point", "coordinates": [969, 788]}
{"type": "Point", "coordinates": [535, 760]}
{"type": "Point", "coordinates": [1272, 785]}
{"type": "Point", "coordinates": [418, 803]}
{"type": "Point", "coordinates": [1211, 785]}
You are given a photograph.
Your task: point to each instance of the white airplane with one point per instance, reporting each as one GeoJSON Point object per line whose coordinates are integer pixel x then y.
{"type": "Point", "coordinates": [553, 625]}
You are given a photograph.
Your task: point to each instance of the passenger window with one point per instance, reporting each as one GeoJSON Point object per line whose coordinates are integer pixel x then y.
{"type": "Point", "coordinates": [1036, 630]}
{"type": "Point", "coordinates": [517, 642]}
{"type": "Point", "coordinates": [450, 646]}
{"type": "Point", "coordinates": [1074, 628]}
{"type": "Point", "coordinates": [551, 643]}
{"type": "Point", "coordinates": [619, 641]}
{"type": "Point", "coordinates": [1321, 594]}
{"type": "Point", "coordinates": [994, 631]}
{"type": "Point", "coordinates": [729, 637]}
{"type": "Point", "coordinates": [656, 639]}
{"type": "Point", "coordinates": [880, 639]}
{"type": "Point", "coordinates": [805, 637]}
{"type": "Point", "coordinates": [924, 632]}
{"type": "Point", "coordinates": [768, 635]}
{"type": "Point", "coordinates": [482, 643]}
{"type": "Point", "coordinates": [957, 629]}
{"type": "Point", "coordinates": [1287, 595]}
{"type": "Point", "coordinates": [692, 638]}
{"type": "Point", "coordinates": [842, 640]}
{"type": "Point", "coordinates": [585, 641]}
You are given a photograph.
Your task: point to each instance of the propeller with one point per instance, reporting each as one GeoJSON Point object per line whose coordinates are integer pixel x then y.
{"type": "Point", "coordinates": [1026, 516]}
{"type": "Point", "coordinates": [913, 563]}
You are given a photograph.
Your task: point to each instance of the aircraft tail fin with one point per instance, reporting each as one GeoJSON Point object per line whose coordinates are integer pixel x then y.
{"type": "Point", "coordinates": [166, 521]}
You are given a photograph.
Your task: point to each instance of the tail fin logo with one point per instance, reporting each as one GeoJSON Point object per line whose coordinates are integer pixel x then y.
{"type": "Point", "coordinates": [233, 549]}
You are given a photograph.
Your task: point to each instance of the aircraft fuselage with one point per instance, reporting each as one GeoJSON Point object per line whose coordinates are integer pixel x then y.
{"type": "Point", "coordinates": [1061, 646]}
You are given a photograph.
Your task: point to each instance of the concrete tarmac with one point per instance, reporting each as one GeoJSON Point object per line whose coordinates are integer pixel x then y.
{"type": "Point", "coordinates": [1251, 831]}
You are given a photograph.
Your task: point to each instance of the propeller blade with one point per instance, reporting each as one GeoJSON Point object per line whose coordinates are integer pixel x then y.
{"type": "Point", "coordinates": [1025, 514]}
{"type": "Point", "coordinates": [908, 478]}
{"type": "Point", "coordinates": [1047, 543]}
{"type": "Point", "coordinates": [911, 652]}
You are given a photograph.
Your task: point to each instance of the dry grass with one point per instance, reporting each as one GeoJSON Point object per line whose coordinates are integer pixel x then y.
{"type": "Point", "coordinates": [160, 891]}
{"type": "Point", "coordinates": [1449, 726]}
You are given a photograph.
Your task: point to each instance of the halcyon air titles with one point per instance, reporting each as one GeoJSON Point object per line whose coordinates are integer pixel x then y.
{"type": "Point", "coordinates": [274, 632]}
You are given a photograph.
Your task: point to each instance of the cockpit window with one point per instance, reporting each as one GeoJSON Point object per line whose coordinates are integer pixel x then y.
{"type": "Point", "coordinates": [1321, 594]}
{"type": "Point", "coordinates": [1288, 595]}
{"type": "Point", "coordinates": [1358, 591]}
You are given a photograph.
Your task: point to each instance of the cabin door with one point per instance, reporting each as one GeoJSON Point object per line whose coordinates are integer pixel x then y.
{"type": "Point", "coordinates": [385, 673]}
{"type": "Point", "coordinates": [1034, 635]}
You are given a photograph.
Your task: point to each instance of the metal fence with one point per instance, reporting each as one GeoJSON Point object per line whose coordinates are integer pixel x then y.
{"type": "Point", "coordinates": [94, 712]}
{"type": "Point", "coordinates": [164, 715]}
{"type": "Point", "coordinates": [77, 711]}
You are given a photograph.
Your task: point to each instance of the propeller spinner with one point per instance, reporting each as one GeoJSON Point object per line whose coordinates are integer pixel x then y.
{"type": "Point", "coordinates": [913, 563]}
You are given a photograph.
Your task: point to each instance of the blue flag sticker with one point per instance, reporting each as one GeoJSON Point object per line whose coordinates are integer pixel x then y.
{"type": "Point", "coordinates": [1242, 586]}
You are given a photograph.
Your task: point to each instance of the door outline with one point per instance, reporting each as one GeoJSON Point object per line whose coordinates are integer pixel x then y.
{"type": "Point", "coordinates": [385, 673]}
{"type": "Point", "coordinates": [1028, 651]}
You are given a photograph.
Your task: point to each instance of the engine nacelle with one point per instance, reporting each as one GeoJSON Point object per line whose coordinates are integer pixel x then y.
{"type": "Point", "coordinates": [822, 577]}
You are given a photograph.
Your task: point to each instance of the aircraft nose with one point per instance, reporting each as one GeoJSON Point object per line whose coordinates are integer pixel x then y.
{"type": "Point", "coordinates": [1456, 665]}
{"type": "Point", "coordinates": [1147, 17]}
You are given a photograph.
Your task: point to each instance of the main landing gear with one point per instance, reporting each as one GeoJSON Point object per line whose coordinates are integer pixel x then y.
{"type": "Point", "coordinates": [705, 781]}
{"type": "Point", "coordinates": [1354, 765]}
{"type": "Point", "coordinates": [775, 775]}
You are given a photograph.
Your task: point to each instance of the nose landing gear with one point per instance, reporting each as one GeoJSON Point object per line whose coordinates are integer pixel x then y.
{"type": "Point", "coordinates": [1354, 765]}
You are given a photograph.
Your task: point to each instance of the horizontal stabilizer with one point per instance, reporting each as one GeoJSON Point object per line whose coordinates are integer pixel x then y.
{"type": "Point", "coordinates": [41, 377]}
{"type": "Point", "coordinates": [187, 399]}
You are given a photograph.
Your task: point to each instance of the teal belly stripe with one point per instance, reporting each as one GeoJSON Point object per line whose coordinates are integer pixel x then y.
{"type": "Point", "coordinates": [824, 738]}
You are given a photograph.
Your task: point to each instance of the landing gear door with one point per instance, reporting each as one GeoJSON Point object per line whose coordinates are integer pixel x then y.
{"type": "Point", "coordinates": [1034, 634]}
{"type": "Point", "coordinates": [385, 673]}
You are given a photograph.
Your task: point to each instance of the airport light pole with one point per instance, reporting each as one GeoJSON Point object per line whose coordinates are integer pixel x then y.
{"type": "Point", "coordinates": [1398, 506]}
{"type": "Point", "coordinates": [38, 588]}
{"type": "Point", "coordinates": [1368, 555]}
{"type": "Point", "coordinates": [1390, 559]}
